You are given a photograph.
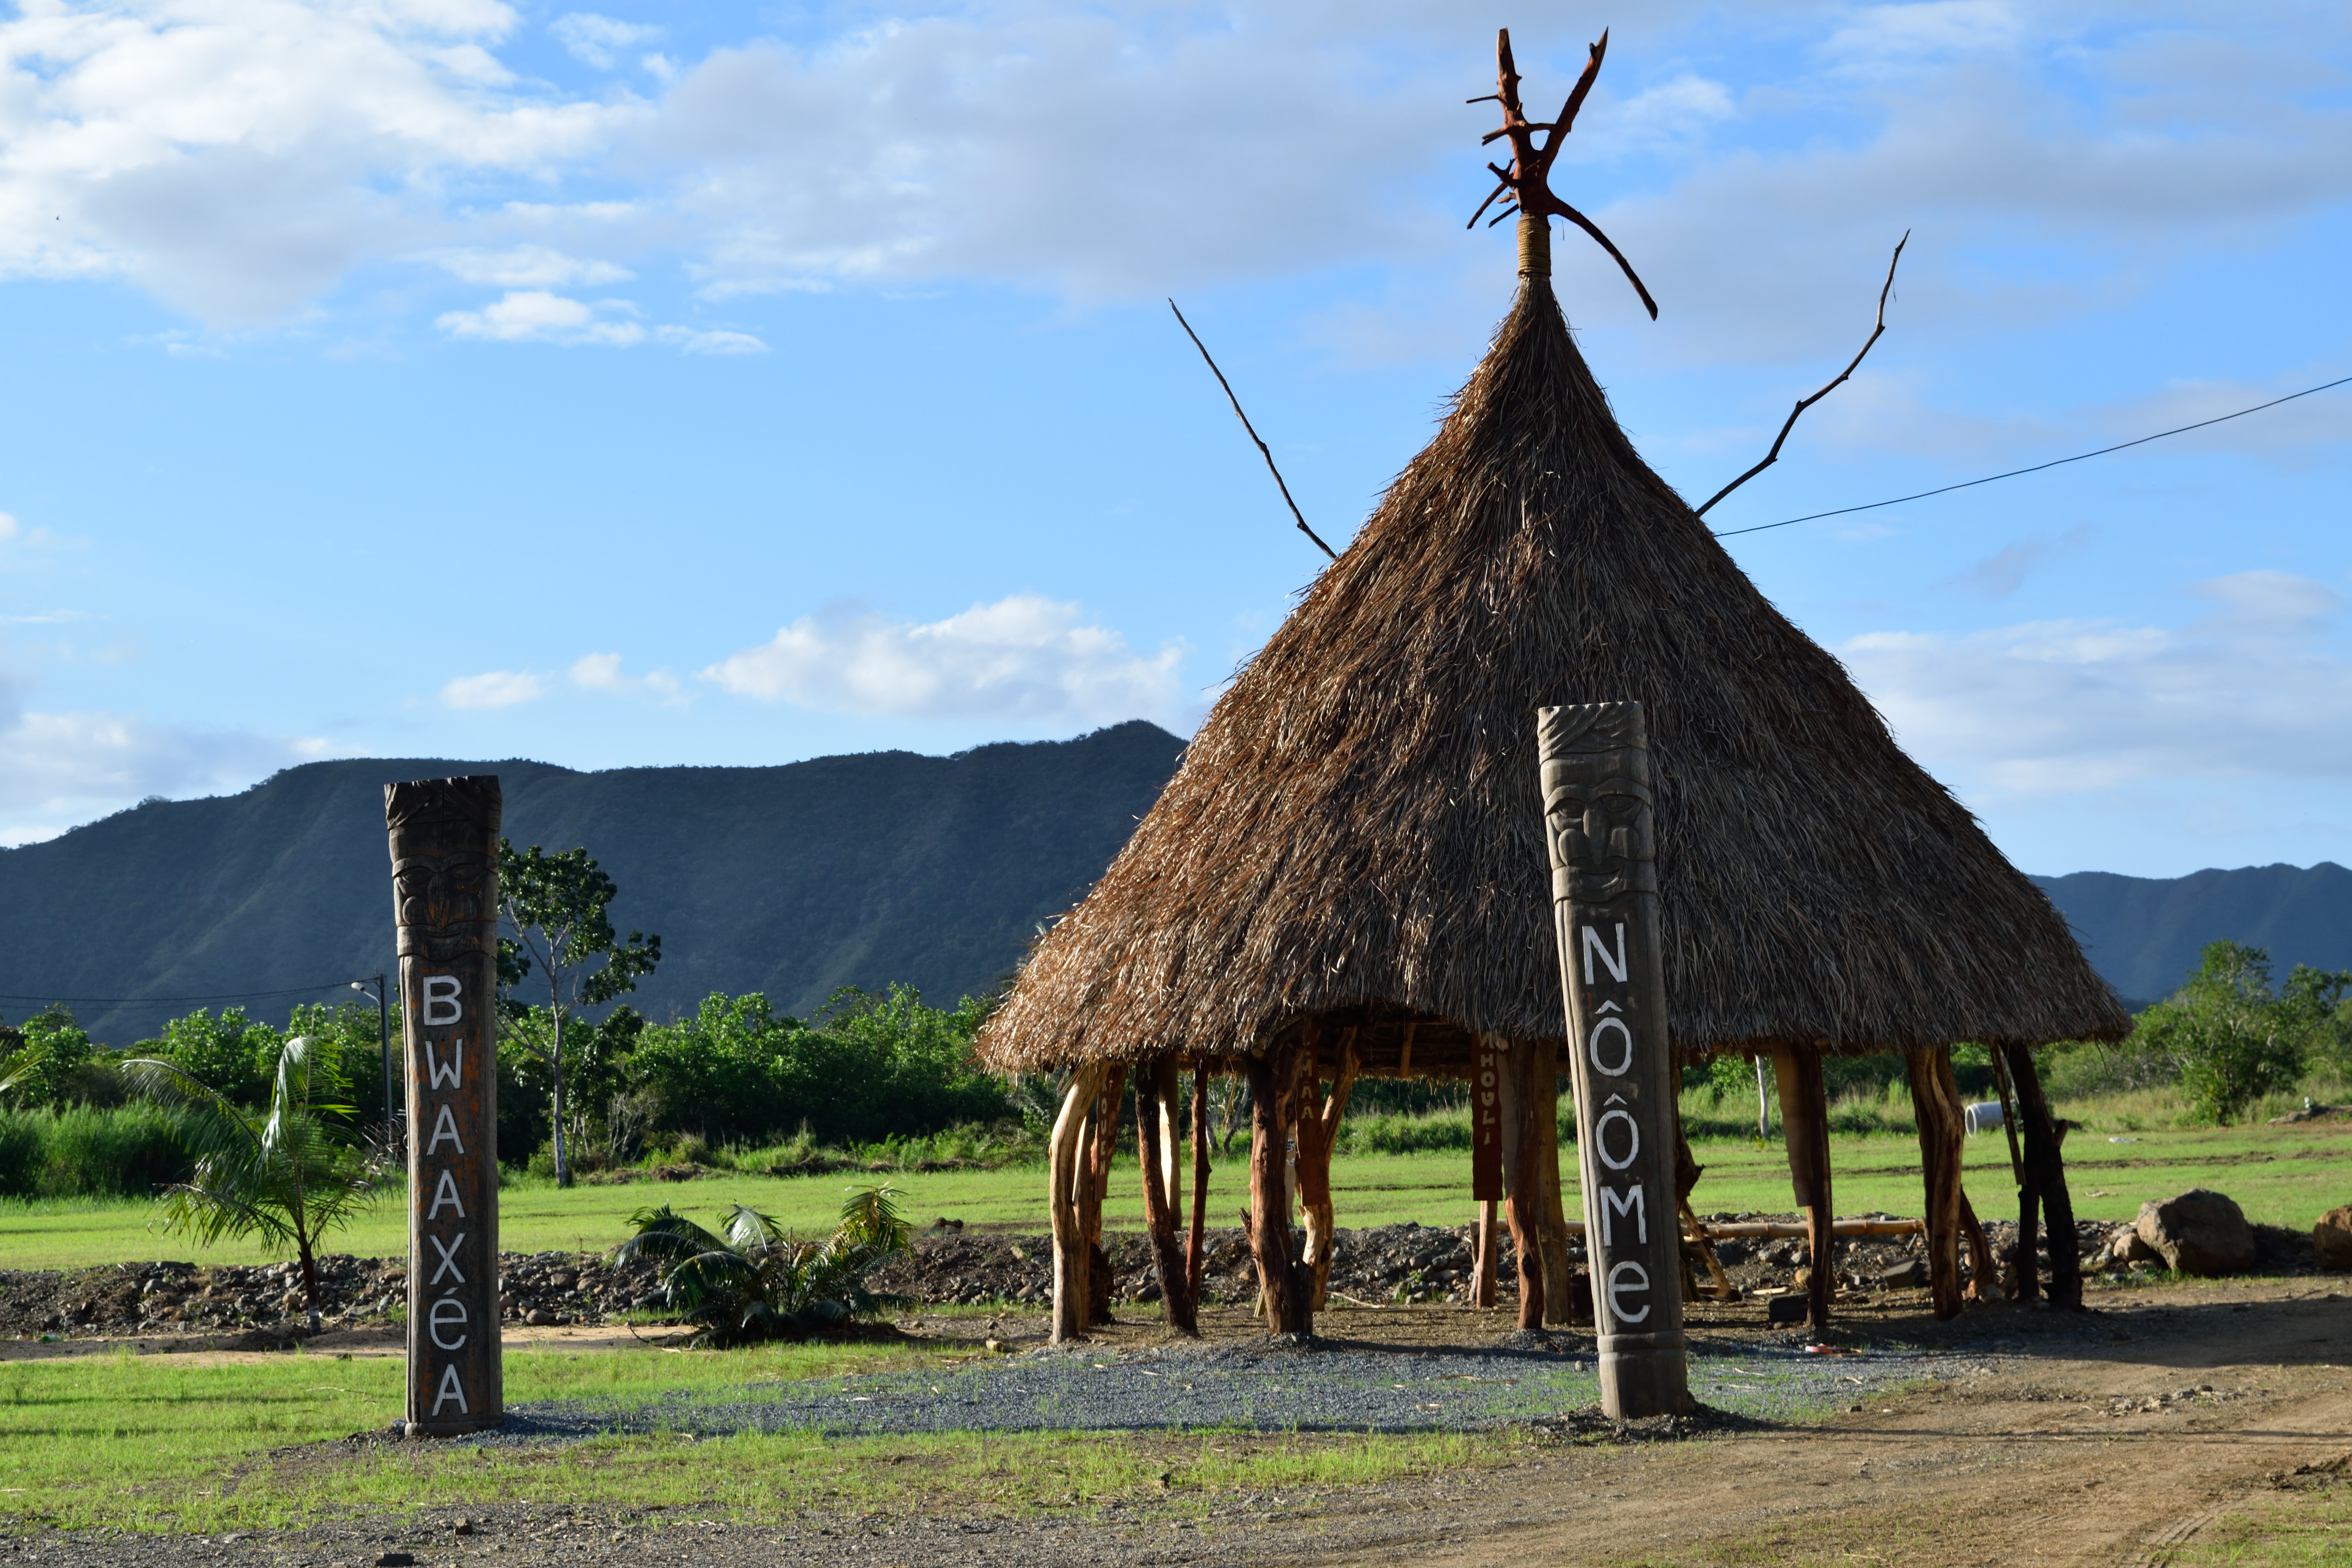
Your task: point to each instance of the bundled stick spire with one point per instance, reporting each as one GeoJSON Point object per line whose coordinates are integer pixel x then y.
{"type": "Point", "coordinates": [1528, 179]}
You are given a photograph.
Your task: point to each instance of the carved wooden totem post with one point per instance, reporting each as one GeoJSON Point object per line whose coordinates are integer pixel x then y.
{"type": "Point", "coordinates": [1599, 823]}
{"type": "Point", "coordinates": [444, 880]}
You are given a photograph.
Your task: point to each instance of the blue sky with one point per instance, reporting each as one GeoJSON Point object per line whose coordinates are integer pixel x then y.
{"type": "Point", "coordinates": [737, 383]}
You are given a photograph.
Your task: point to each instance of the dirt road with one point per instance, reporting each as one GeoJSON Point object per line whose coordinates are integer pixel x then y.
{"type": "Point", "coordinates": [2152, 1429]}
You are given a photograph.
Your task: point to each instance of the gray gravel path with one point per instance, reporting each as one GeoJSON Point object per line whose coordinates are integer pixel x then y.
{"type": "Point", "coordinates": [1259, 1387]}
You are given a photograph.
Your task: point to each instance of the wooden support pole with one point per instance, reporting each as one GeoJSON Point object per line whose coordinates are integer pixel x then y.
{"type": "Point", "coordinates": [1195, 1247]}
{"type": "Point", "coordinates": [1156, 1089]}
{"type": "Point", "coordinates": [1272, 1076]}
{"type": "Point", "coordinates": [2046, 1167]}
{"type": "Point", "coordinates": [1102, 1152]}
{"type": "Point", "coordinates": [1522, 1177]}
{"type": "Point", "coordinates": [1543, 1074]}
{"type": "Point", "coordinates": [1066, 1163]}
{"type": "Point", "coordinates": [1942, 1132]}
{"type": "Point", "coordinates": [1688, 1171]}
{"type": "Point", "coordinates": [1601, 833]}
{"type": "Point", "coordinates": [1483, 1264]}
{"type": "Point", "coordinates": [443, 838]}
{"type": "Point", "coordinates": [1984, 1274]}
{"type": "Point", "coordinates": [1805, 1126]}
{"type": "Point", "coordinates": [1317, 1132]}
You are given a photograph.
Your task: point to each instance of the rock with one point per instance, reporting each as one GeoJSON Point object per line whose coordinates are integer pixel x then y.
{"type": "Point", "coordinates": [2331, 1238]}
{"type": "Point", "coordinates": [1910, 1274]}
{"type": "Point", "coordinates": [2126, 1246]}
{"type": "Point", "coordinates": [1784, 1310]}
{"type": "Point", "coordinates": [2198, 1232]}
{"type": "Point", "coordinates": [397, 1560]}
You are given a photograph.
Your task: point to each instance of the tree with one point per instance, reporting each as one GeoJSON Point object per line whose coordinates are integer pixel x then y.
{"type": "Point", "coordinates": [288, 1176]}
{"type": "Point", "coordinates": [556, 905]}
{"type": "Point", "coordinates": [49, 1050]}
{"type": "Point", "coordinates": [2231, 1038]}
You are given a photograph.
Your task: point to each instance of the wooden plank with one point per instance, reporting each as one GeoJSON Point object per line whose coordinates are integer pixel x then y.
{"type": "Point", "coordinates": [1600, 829]}
{"type": "Point", "coordinates": [444, 836]}
{"type": "Point", "coordinates": [1486, 1119]}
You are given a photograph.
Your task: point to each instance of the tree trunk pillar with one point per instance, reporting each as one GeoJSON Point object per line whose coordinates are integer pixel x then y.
{"type": "Point", "coordinates": [1487, 1244]}
{"type": "Point", "coordinates": [1805, 1125]}
{"type": "Point", "coordinates": [1543, 1074]}
{"type": "Point", "coordinates": [1066, 1162]}
{"type": "Point", "coordinates": [1318, 1133]}
{"type": "Point", "coordinates": [1522, 1178]}
{"type": "Point", "coordinates": [445, 877]}
{"type": "Point", "coordinates": [2045, 1168]}
{"type": "Point", "coordinates": [1156, 1090]}
{"type": "Point", "coordinates": [1936, 1109]}
{"type": "Point", "coordinates": [1272, 1079]}
{"type": "Point", "coordinates": [1196, 1245]}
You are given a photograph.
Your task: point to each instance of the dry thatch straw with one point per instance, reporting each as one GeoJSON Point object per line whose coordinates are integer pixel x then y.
{"type": "Point", "coordinates": [1355, 837]}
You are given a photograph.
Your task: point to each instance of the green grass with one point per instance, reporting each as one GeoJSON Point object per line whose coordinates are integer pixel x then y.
{"type": "Point", "coordinates": [160, 1442]}
{"type": "Point", "coordinates": [2279, 1175]}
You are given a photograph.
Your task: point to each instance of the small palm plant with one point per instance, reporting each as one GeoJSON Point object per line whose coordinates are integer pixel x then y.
{"type": "Point", "coordinates": [753, 1282]}
{"type": "Point", "coordinates": [288, 1177]}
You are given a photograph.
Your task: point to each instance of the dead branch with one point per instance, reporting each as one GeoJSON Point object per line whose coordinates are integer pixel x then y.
{"type": "Point", "coordinates": [1528, 177]}
{"type": "Point", "coordinates": [1804, 402]}
{"type": "Point", "coordinates": [1262, 449]}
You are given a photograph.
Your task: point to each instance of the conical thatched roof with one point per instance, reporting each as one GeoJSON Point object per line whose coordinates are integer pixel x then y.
{"type": "Point", "coordinates": [1355, 835]}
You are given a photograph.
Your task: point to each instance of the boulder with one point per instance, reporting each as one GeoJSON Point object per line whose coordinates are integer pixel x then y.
{"type": "Point", "coordinates": [2126, 1246]}
{"type": "Point", "coordinates": [2332, 1239]}
{"type": "Point", "coordinates": [2198, 1232]}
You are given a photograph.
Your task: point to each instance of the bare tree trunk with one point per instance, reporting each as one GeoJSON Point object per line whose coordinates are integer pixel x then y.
{"type": "Point", "coordinates": [2045, 1169]}
{"type": "Point", "coordinates": [1522, 1192]}
{"type": "Point", "coordinates": [555, 1083]}
{"type": "Point", "coordinates": [1805, 1124]}
{"type": "Point", "coordinates": [1268, 1215]}
{"type": "Point", "coordinates": [1066, 1159]}
{"type": "Point", "coordinates": [1317, 1123]}
{"type": "Point", "coordinates": [1155, 1141]}
{"type": "Point", "coordinates": [1933, 1104]}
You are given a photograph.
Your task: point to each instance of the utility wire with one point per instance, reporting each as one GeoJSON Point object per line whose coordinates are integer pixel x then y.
{"type": "Point", "coordinates": [2053, 463]}
{"type": "Point", "coordinates": [177, 1001]}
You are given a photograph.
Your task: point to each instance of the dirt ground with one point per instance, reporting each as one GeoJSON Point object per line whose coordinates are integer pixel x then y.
{"type": "Point", "coordinates": [2120, 1435]}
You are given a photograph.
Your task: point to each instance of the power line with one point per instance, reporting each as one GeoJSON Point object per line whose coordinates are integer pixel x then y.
{"type": "Point", "coordinates": [46, 1000]}
{"type": "Point", "coordinates": [2055, 462]}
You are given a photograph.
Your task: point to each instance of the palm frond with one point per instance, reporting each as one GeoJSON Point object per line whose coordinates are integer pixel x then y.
{"type": "Point", "coordinates": [748, 1227]}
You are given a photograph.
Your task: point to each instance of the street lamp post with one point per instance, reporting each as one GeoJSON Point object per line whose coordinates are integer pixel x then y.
{"type": "Point", "coordinates": [384, 1046]}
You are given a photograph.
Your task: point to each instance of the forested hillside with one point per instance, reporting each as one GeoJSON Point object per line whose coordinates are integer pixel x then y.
{"type": "Point", "coordinates": [790, 880]}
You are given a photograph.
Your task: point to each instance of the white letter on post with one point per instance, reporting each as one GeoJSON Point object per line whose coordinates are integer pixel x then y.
{"type": "Point", "coordinates": [450, 1389]}
{"type": "Point", "coordinates": [1592, 944]}
{"type": "Point", "coordinates": [1627, 1275]}
{"type": "Point", "coordinates": [1630, 1204]}
{"type": "Point", "coordinates": [445, 1193]}
{"type": "Point", "coordinates": [445, 1126]}
{"type": "Point", "coordinates": [441, 1005]}
{"type": "Point", "coordinates": [451, 1077]}
{"type": "Point", "coordinates": [450, 1313]}
{"type": "Point", "coordinates": [449, 1255]}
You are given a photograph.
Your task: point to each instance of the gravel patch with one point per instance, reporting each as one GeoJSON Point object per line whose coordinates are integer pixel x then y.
{"type": "Point", "coordinates": [1266, 1386]}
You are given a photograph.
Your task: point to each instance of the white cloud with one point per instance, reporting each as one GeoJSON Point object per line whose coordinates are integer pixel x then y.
{"type": "Point", "coordinates": [1024, 658]}
{"type": "Point", "coordinates": [58, 769]}
{"type": "Point", "coordinates": [535, 316]}
{"type": "Point", "coordinates": [238, 157]}
{"type": "Point", "coordinates": [527, 266]}
{"type": "Point", "coordinates": [493, 688]}
{"type": "Point", "coordinates": [691, 342]}
{"type": "Point", "coordinates": [602, 672]}
{"type": "Point", "coordinates": [8, 526]}
{"type": "Point", "coordinates": [2064, 706]}
{"type": "Point", "coordinates": [598, 40]}
{"type": "Point", "coordinates": [2002, 573]}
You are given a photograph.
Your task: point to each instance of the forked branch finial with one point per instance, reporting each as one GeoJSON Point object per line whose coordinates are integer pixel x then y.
{"type": "Point", "coordinates": [1527, 180]}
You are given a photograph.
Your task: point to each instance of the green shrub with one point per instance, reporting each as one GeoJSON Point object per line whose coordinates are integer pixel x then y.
{"type": "Point", "coordinates": [83, 1151]}
{"type": "Point", "coordinates": [2234, 1037]}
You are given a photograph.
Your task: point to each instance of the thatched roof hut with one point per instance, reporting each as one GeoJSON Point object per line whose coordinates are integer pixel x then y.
{"type": "Point", "coordinates": [1353, 847]}
{"type": "Point", "coordinates": [1356, 830]}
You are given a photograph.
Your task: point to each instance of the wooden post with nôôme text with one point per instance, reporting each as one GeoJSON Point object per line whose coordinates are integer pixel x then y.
{"type": "Point", "coordinates": [445, 877]}
{"type": "Point", "coordinates": [1599, 825]}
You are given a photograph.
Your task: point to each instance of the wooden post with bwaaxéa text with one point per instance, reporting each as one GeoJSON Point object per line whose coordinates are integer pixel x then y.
{"type": "Point", "coordinates": [1599, 824]}
{"type": "Point", "coordinates": [444, 878]}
